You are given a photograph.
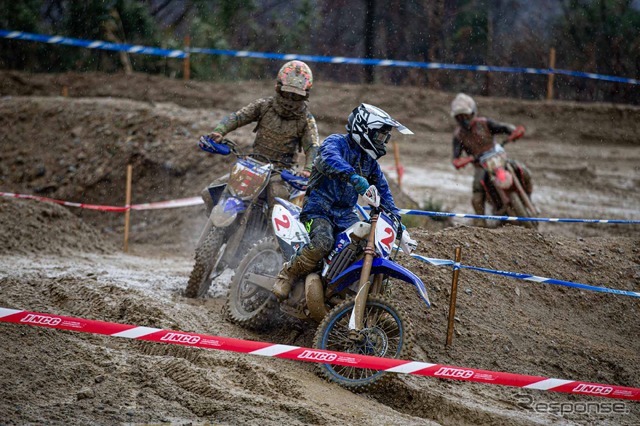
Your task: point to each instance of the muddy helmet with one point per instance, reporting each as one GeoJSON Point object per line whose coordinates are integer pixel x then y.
{"type": "Point", "coordinates": [370, 127]}
{"type": "Point", "coordinates": [463, 104]}
{"type": "Point", "coordinates": [294, 77]}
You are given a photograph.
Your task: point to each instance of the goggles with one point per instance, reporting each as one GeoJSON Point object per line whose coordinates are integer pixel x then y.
{"type": "Point", "coordinates": [292, 96]}
{"type": "Point", "coordinates": [381, 136]}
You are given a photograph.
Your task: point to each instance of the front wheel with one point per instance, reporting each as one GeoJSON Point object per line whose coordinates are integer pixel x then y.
{"type": "Point", "coordinates": [248, 304]}
{"type": "Point", "coordinates": [386, 333]}
{"type": "Point", "coordinates": [206, 255]}
{"type": "Point", "coordinates": [519, 210]}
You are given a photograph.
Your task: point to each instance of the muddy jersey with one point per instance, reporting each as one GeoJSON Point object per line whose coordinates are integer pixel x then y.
{"type": "Point", "coordinates": [479, 137]}
{"type": "Point", "coordinates": [279, 134]}
{"type": "Point", "coordinates": [330, 196]}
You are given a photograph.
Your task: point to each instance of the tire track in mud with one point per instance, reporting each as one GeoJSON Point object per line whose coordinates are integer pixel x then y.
{"type": "Point", "coordinates": [209, 383]}
{"type": "Point", "coordinates": [86, 298]}
{"type": "Point", "coordinates": [417, 399]}
{"type": "Point", "coordinates": [222, 384]}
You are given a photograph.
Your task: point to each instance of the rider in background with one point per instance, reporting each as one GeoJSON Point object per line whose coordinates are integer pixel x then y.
{"type": "Point", "coordinates": [284, 126]}
{"type": "Point", "coordinates": [474, 136]}
{"type": "Point", "coordinates": [345, 167]}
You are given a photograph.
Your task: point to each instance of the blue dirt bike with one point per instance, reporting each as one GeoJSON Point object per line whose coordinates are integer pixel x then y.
{"type": "Point", "coordinates": [348, 295]}
{"type": "Point", "coordinates": [239, 216]}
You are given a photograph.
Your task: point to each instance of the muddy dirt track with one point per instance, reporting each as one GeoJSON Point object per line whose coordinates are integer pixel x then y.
{"type": "Point", "coordinates": [585, 160]}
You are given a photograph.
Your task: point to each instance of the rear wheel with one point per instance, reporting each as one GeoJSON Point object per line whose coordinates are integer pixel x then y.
{"type": "Point", "coordinates": [248, 304]}
{"type": "Point", "coordinates": [205, 261]}
{"type": "Point", "coordinates": [386, 333]}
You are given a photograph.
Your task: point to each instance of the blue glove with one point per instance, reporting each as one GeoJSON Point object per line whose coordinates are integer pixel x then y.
{"type": "Point", "coordinates": [360, 183]}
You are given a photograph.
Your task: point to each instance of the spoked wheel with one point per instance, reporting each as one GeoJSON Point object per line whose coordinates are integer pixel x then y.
{"type": "Point", "coordinates": [519, 210]}
{"type": "Point", "coordinates": [206, 260]}
{"type": "Point", "coordinates": [386, 334]}
{"type": "Point", "coordinates": [248, 304]}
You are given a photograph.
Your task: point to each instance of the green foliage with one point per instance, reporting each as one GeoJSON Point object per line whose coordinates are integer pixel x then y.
{"type": "Point", "coordinates": [205, 33]}
{"type": "Point", "coordinates": [601, 36]}
{"type": "Point", "coordinates": [83, 19]}
{"type": "Point", "coordinates": [296, 37]}
{"type": "Point", "coordinates": [18, 16]}
{"type": "Point", "coordinates": [470, 37]}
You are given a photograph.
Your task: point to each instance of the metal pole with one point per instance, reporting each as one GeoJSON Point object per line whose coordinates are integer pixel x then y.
{"type": "Point", "coordinates": [128, 206]}
{"type": "Point", "coordinates": [452, 299]}
{"type": "Point", "coordinates": [552, 64]}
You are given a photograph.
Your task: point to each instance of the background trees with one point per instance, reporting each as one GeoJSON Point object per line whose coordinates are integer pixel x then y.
{"type": "Point", "coordinates": [599, 36]}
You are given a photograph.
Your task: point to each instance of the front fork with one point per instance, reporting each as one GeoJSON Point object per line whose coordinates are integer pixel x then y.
{"type": "Point", "coordinates": [356, 322]}
{"type": "Point", "coordinates": [521, 191]}
{"type": "Point", "coordinates": [236, 238]}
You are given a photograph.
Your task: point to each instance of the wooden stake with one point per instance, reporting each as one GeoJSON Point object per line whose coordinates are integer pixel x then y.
{"type": "Point", "coordinates": [127, 213]}
{"type": "Point", "coordinates": [396, 155]}
{"type": "Point", "coordinates": [552, 64]}
{"type": "Point", "coordinates": [65, 91]}
{"type": "Point", "coordinates": [452, 298]}
{"type": "Point", "coordinates": [186, 65]}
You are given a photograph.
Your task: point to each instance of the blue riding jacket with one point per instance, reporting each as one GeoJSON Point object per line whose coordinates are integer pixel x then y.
{"type": "Point", "coordinates": [330, 195]}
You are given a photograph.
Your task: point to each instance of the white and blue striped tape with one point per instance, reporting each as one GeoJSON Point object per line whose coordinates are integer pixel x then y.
{"type": "Point", "coordinates": [526, 277]}
{"type": "Point", "coordinates": [92, 44]}
{"type": "Point", "coordinates": [514, 218]}
{"type": "Point", "coordinates": [96, 44]}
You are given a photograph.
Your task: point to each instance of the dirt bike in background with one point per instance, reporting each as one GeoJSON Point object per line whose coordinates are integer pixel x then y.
{"type": "Point", "coordinates": [241, 202]}
{"type": "Point", "coordinates": [347, 296]}
{"type": "Point", "coordinates": [504, 185]}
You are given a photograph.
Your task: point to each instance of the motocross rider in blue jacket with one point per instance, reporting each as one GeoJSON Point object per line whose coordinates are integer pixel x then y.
{"type": "Point", "coordinates": [344, 167]}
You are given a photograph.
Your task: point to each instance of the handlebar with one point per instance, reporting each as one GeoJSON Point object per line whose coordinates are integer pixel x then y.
{"type": "Point", "coordinates": [228, 146]}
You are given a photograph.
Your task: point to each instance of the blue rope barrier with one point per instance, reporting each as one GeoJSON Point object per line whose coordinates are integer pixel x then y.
{"type": "Point", "coordinates": [92, 44]}
{"type": "Point", "coordinates": [514, 218]}
{"type": "Point", "coordinates": [526, 277]}
{"type": "Point", "coordinates": [96, 44]}
{"type": "Point", "coordinates": [410, 212]}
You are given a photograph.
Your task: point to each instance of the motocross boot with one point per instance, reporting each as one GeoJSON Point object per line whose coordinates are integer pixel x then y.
{"type": "Point", "coordinates": [477, 201]}
{"type": "Point", "coordinates": [300, 265]}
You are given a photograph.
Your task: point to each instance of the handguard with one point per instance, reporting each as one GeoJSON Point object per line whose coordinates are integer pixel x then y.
{"type": "Point", "coordinates": [207, 144]}
{"type": "Point", "coordinates": [407, 244]}
{"type": "Point", "coordinates": [460, 162]}
{"type": "Point", "coordinates": [372, 196]}
{"type": "Point", "coordinates": [298, 182]}
{"type": "Point", "coordinates": [516, 134]}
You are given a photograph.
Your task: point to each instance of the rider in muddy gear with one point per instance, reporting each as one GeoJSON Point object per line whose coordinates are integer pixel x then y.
{"type": "Point", "coordinates": [475, 136]}
{"type": "Point", "coordinates": [284, 126]}
{"type": "Point", "coordinates": [344, 168]}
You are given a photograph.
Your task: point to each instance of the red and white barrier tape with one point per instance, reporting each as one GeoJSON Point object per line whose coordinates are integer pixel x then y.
{"type": "Point", "coordinates": [315, 355]}
{"type": "Point", "coordinates": [183, 202]}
